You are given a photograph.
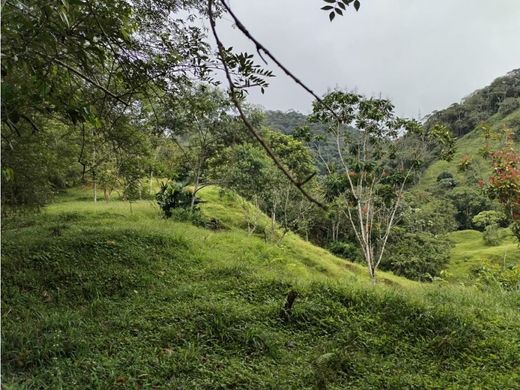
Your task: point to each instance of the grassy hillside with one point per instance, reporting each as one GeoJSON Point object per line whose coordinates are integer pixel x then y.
{"type": "Point", "coordinates": [469, 145]}
{"type": "Point", "coordinates": [101, 296]}
{"type": "Point", "coordinates": [470, 252]}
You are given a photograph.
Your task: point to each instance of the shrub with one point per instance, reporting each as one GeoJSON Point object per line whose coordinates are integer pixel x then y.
{"type": "Point", "coordinates": [492, 236]}
{"type": "Point", "coordinates": [419, 256]}
{"type": "Point", "coordinates": [174, 196]}
{"type": "Point", "coordinates": [448, 183]}
{"type": "Point", "coordinates": [488, 217]}
{"type": "Point", "coordinates": [464, 163]}
{"type": "Point", "coordinates": [431, 215]}
{"type": "Point", "coordinates": [346, 250]}
{"type": "Point", "coordinates": [506, 277]}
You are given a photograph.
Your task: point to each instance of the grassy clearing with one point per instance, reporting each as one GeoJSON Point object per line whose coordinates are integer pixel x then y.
{"type": "Point", "coordinates": [470, 251]}
{"type": "Point", "coordinates": [101, 296]}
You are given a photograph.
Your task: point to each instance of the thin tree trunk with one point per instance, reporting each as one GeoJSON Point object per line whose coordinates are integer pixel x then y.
{"type": "Point", "coordinates": [150, 190]}
{"type": "Point", "coordinates": [195, 189]}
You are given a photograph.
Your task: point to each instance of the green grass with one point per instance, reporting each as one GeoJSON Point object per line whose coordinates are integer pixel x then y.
{"type": "Point", "coordinates": [470, 251]}
{"type": "Point", "coordinates": [104, 296]}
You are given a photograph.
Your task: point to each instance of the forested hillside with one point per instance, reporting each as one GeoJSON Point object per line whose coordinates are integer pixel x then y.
{"type": "Point", "coordinates": [456, 189]}
{"type": "Point", "coordinates": [499, 99]}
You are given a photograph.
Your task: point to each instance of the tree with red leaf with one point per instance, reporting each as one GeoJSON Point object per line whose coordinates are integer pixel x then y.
{"type": "Point", "coordinates": [504, 182]}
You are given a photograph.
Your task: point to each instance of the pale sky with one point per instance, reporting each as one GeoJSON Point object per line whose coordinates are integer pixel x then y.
{"type": "Point", "coordinates": [422, 54]}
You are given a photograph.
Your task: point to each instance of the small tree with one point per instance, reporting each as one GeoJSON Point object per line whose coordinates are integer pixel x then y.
{"type": "Point", "coordinates": [202, 123]}
{"type": "Point", "coordinates": [504, 182]}
{"type": "Point", "coordinates": [378, 156]}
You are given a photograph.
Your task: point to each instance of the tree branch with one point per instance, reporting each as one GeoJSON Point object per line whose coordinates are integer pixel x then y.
{"type": "Point", "coordinates": [84, 77]}
{"type": "Point", "coordinates": [248, 124]}
{"type": "Point", "coordinates": [261, 48]}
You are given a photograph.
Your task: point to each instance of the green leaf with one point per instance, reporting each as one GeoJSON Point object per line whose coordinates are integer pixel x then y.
{"type": "Point", "coordinates": [327, 7]}
{"type": "Point", "coordinates": [357, 4]}
{"type": "Point", "coordinates": [332, 15]}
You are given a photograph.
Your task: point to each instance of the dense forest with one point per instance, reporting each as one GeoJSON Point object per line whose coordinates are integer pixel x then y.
{"type": "Point", "coordinates": [159, 231]}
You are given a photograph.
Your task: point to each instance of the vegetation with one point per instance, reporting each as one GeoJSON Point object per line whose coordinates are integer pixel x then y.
{"type": "Point", "coordinates": [111, 297]}
{"type": "Point", "coordinates": [160, 232]}
{"type": "Point", "coordinates": [372, 170]}
{"type": "Point", "coordinates": [501, 97]}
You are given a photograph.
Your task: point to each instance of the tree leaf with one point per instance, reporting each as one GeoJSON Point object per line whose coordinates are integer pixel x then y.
{"type": "Point", "coordinates": [357, 4]}
{"type": "Point", "coordinates": [332, 15]}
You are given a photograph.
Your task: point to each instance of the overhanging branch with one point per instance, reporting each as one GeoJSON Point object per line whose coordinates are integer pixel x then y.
{"type": "Point", "coordinates": [247, 123]}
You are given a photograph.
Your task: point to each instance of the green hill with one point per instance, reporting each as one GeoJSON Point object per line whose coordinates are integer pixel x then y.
{"type": "Point", "coordinates": [112, 296]}
{"type": "Point", "coordinates": [470, 252]}
{"type": "Point", "coordinates": [471, 145]}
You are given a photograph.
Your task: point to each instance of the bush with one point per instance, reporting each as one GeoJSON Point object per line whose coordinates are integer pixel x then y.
{"type": "Point", "coordinates": [448, 183]}
{"type": "Point", "coordinates": [506, 277]}
{"type": "Point", "coordinates": [464, 163]}
{"type": "Point", "coordinates": [492, 236]}
{"type": "Point", "coordinates": [174, 196]}
{"type": "Point", "coordinates": [430, 215]}
{"type": "Point", "coordinates": [418, 256]}
{"type": "Point", "coordinates": [346, 250]}
{"type": "Point", "coordinates": [488, 217]}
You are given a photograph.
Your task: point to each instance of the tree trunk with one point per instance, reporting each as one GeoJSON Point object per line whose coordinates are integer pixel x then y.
{"type": "Point", "coordinates": [150, 190]}
{"type": "Point", "coordinates": [194, 194]}
{"type": "Point", "coordinates": [94, 186]}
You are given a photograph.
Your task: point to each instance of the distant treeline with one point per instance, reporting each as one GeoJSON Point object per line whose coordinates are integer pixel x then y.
{"type": "Point", "coordinates": [502, 97]}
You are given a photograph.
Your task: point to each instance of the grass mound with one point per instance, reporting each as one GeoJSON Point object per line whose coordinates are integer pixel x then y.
{"type": "Point", "coordinates": [98, 296]}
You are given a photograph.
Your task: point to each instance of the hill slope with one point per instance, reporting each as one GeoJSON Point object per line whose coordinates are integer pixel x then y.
{"type": "Point", "coordinates": [470, 251]}
{"type": "Point", "coordinates": [101, 296]}
{"type": "Point", "coordinates": [470, 145]}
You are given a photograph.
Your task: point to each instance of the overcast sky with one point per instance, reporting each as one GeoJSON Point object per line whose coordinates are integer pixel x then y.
{"type": "Point", "coordinates": [422, 54]}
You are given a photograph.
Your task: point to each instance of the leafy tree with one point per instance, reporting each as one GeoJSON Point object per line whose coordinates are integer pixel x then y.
{"type": "Point", "coordinates": [487, 218]}
{"type": "Point", "coordinates": [90, 66]}
{"type": "Point", "coordinates": [247, 170]}
{"type": "Point", "coordinates": [375, 169]}
{"type": "Point", "coordinates": [419, 256]}
{"type": "Point", "coordinates": [469, 202]}
{"type": "Point", "coordinates": [504, 182]}
{"type": "Point", "coordinates": [425, 213]}
{"type": "Point", "coordinates": [35, 166]}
